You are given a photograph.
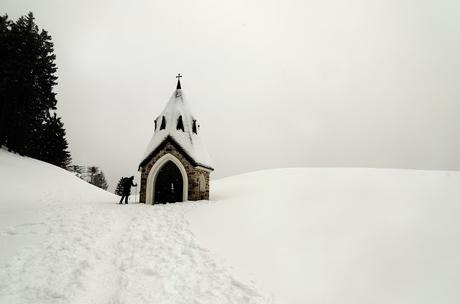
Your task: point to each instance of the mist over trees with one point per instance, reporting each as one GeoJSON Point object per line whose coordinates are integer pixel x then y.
{"type": "Point", "coordinates": [96, 177]}
{"type": "Point", "coordinates": [28, 121]}
{"type": "Point", "coordinates": [100, 181]}
{"type": "Point", "coordinates": [91, 174]}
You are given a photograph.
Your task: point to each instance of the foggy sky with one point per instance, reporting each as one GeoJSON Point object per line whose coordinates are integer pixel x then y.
{"type": "Point", "coordinates": [273, 83]}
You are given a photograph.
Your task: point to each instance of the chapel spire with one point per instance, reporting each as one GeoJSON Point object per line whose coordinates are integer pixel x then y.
{"type": "Point", "coordinates": [178, 82]}
{"type": "Point", "coordinates": [174, 154]}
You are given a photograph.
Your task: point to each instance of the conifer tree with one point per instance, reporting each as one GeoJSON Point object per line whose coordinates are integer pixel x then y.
{"type": "Point", "coordinates": [92, 171]}
{"type": "Point", "coordinates": [96, 177]}
{"type": "Point", "coordinates": [77, 170]}
{"type": "Point", "coordinates": [54, 147]}
{"type": "Point", "coordinates": [100, 181]}
{"type": "Point", "coordinates": [119, 189]}
{"type": "Point", "coordinates": [27, 78]}
{"type": "Point", "coordinates": [7, 77]}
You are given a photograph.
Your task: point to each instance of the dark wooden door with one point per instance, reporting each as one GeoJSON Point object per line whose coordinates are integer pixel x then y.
{"type": "Point", "coordinates": [168, 185]}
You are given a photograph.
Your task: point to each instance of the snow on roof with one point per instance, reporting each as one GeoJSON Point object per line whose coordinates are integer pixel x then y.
{"type": "Point", "coordinates": [188, 140]}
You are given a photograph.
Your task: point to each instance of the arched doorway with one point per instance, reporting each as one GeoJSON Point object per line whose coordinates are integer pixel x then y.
{"type": "Point", "coordinates": [168, 184]}
{"type": "Point", "coordinates": [153, 175]}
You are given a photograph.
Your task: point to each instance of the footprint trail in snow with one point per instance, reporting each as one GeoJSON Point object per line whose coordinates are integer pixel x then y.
{"type": "Point", "coordinates": [120, 254]}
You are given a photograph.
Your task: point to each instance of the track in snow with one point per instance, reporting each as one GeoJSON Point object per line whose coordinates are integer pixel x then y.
{"type": "Point", "coordinates": [119, 254]}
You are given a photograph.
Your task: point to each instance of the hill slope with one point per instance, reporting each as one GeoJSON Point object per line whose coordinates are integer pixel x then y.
{"type": "Point", "coordinates": [29, 190]}
{"type": "Point", "coordinates": [65, 241]}
{"type": "Point", "coordinates": [306, 235]}
{"type": "Point", "coordinates": [339, 235]}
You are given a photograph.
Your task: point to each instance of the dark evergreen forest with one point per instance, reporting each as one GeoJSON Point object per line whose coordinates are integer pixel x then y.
{"type": "Point", "coordinates": [29, 124]}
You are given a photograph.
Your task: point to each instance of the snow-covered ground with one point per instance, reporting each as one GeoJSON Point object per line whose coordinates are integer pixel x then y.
{"type": "Point", "coordinates": [304, 236]}
{"type": "Point", "coordinates": [339, 235]}
{"type": "Point", "coordinates": [65, 241]}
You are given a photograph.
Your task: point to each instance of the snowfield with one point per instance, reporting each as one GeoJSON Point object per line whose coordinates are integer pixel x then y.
{"type": "Point", "coordinates": [339, 235]}
{"type": "Point", "coordinates": [66, 241]}
{"type": "Point", "coordinates": [323, 235]}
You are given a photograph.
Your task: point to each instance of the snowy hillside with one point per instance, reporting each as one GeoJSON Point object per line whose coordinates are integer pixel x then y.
{"type": "Point", "coordinates": [329, 235]}
{"type": "Point", "coordinates": [65, 241]}
{"type": "Point", "coordinates": [304, 235]}
{"type": "Point", "coordinates": [29, 190]}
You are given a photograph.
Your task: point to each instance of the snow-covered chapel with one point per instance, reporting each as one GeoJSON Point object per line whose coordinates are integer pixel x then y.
{"type": "Point", "coordinates": [176, 165]}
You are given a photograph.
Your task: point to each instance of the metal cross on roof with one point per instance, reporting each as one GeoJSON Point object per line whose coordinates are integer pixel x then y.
{"type": "Point", "coordinates": [178, 81]}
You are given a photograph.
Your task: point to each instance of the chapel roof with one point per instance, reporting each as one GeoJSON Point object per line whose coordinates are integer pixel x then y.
{"type": "Point", "coordinates": [185, 134]}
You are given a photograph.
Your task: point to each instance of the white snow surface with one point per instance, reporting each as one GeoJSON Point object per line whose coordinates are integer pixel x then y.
{"type": "Point", "coordinates": [189, 141]}
{"type": "Point", "coordinates": [66, 241]}
{"type": "Point", "coordinates": [323, 235]}
{"type": "Point", "coordinates": [339, 235]}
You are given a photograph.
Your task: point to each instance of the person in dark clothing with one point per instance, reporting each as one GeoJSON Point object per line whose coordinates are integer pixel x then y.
{"type": "Point", "coordinates": [128, 182]}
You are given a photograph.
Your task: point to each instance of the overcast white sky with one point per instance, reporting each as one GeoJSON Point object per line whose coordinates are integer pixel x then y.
{"type": "Point", "coordinates": [273, 83]}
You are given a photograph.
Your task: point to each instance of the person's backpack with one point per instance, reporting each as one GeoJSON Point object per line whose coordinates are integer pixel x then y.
{"type": "Point", "coordinates": [126, 182]}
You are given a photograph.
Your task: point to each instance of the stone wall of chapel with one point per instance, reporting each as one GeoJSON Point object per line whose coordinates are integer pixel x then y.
{"type": "Point", "coordinates": [193, 175]}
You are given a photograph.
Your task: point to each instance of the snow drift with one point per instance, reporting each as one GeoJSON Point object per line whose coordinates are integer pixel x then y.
{"type": "Point", "coordinates": [29, 188]}
{"type": "Point", "coordinates": [339, 235]}
{"type": "Point", "coordinates": [65, 241]}
{"type": "Point", "coordinates": [324, 235]}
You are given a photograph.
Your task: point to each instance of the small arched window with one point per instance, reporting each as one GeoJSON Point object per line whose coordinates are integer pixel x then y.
{"type": "Point", "coordinates": [195, 127]}
{"type": "Point", "coordinates": [163, 123]}
{"type": "Point", "coordinates": [180, 123]}
{"type": "Point", "coordinates": [155, 125]}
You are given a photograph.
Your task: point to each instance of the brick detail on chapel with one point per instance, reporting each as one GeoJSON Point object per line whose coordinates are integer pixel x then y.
{"type": "Point", "coordinates": [193, 174]}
